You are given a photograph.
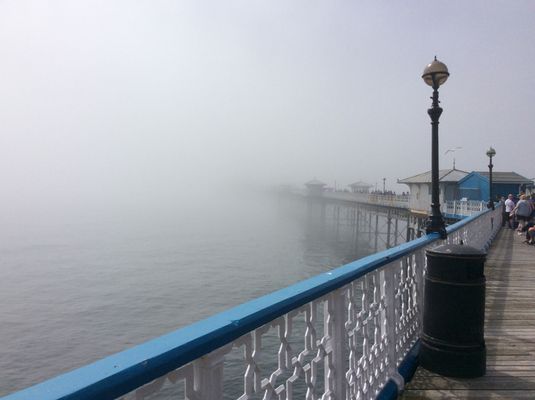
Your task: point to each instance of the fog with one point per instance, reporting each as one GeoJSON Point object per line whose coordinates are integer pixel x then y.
{"type": "Point", "coordinates": [130, 106]}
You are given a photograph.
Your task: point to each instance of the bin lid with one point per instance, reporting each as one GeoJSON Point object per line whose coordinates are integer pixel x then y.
{"type": "Point", "coordinates": [456, 251]}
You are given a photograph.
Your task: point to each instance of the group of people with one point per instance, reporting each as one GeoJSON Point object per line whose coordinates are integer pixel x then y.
{"type": "Point", "coordinates": [520, 215]}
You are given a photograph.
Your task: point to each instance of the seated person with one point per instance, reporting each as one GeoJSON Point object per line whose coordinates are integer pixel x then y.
{"type": "Point", "coordinates": [530, 235]}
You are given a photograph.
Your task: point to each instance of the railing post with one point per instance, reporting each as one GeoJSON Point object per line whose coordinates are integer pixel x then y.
{"type": "Point", "coordinates": [208, 373]}
{"type": "Point", "coordinates": [335, 368]}
{"type": "Point", "coordinates": [337, 219]}
{"type": "Point", "coordinates": [388, 229]}
{"type": "Point", "coordinates": [357, 225]}
{"type": "Point", "coordinates": [389, 277]}
{"type": "Point", "coordinates": [396, 231]}
{"type": "Point", "coordinates": [369, 226]}
{"type": "Point", "coordinates": [376, 232]}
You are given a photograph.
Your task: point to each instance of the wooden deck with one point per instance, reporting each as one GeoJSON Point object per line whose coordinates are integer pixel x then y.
{"type": "Point", "coordinates": [509, 331]}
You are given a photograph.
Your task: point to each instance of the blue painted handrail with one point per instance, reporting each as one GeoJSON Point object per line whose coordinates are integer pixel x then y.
{"type": "Point", "coordinates": [125, 371]}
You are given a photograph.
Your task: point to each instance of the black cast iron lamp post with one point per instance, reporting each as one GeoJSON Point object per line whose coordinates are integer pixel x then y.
{"type": "Point", "coordinates": [435, 74]}
{"type": "Point", "coordinates": [490, 153]}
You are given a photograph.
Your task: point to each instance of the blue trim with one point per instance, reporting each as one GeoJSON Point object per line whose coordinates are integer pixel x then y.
{"type": "Point", "coordinates": [406, 369]}
{"type": "Point", "coordinates": [389, 391]}
{"type": "Point", "coordinates": [454, 216]}
{"type": "Point", "coordinates": [123, 372]}
{"type": "Point", "coordinates": [408, 366]}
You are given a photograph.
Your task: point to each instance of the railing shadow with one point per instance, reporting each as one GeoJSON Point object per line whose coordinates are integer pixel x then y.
{"type": "Point", "coordinates": [504, 254]}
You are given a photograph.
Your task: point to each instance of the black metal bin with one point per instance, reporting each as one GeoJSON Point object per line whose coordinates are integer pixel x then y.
{"type": "Point", "coordinates": [452, 340]}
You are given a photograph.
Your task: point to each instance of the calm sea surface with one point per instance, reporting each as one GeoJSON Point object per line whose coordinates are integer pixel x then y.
{"type": "Point", "coordinates": [73, 292]}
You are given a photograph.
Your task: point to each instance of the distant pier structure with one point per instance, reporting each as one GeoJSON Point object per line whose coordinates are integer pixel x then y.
{"type": "Point", "coordinates": [380, 221]}
{"type": "Point", "coordinates": [315, 187]}
{"type": "Point", "coordinates": [360, 187]}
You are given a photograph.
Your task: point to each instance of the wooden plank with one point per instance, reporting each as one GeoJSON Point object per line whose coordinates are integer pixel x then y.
{"type": "Point", "coordinates": [492, 372]}
{"type": "Point", "coordinates": [499, 382]}
{"type": "Point", "coordinates": [469, 394]}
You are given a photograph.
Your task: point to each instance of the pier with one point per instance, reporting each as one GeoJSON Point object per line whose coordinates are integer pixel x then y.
{"type": "Point", "coordinates": [349, 333]}
{"type": "Point", "coordinates": [280, 200]}
{"type": "Point", "coordinates": [383, 220]}
{"type": "Point", "coordinates": [509, 331]}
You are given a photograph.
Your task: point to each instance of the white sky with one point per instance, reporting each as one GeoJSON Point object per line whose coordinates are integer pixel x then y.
{"type": "Point", "coordinates": [133, 103]}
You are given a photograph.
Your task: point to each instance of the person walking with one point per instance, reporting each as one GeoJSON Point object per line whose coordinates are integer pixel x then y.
{"type": "Point", "coordinates": [522, 211]}
{"type": "Point", "coordinates": [509, 206]}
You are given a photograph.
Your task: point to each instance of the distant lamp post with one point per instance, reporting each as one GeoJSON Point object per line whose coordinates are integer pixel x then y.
{"type": "Point", "coordinates": [384, 182]}
{"type": "Point", "coordinates": [435, 74]}
{"type": "Point", "coordinates": [490, 153]}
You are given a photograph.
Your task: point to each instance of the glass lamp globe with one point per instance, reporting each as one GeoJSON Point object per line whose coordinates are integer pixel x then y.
{"type": "Point", "coordinates": [436, 73]}
{"type": "Point", "coordinates": [491, 152]}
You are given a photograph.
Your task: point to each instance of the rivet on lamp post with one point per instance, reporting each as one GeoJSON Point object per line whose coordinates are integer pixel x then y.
{"type": "Point", "coordinates": [490, 153]}
{"type": "Point", "coordinates": [435, 74]}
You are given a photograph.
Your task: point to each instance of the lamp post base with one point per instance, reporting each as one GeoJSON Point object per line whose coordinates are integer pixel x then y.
{"type": "Point", "coordinates": [435, 224]}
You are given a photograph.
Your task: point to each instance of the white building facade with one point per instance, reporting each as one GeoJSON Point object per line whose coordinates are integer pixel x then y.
{"type": "Point", "coordinates": [420, 188]}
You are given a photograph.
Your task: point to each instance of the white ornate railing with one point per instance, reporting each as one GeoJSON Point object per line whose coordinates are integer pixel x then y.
{"type": "Point", "coordinates": [463, 207]}
{"type": "Point", "coordinates": [457, 208]}
{"type": "Point", "coordinates": [346, 334]}
{"type": "Point", "coordinates": [390, 200]}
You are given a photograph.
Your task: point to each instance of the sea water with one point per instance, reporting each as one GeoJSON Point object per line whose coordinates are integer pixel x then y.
{"type": "Point", "coordinates": [75, 290]}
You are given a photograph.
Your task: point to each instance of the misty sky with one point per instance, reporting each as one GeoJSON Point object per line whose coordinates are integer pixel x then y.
{"type": "Point", "coordinates": [144, 102]}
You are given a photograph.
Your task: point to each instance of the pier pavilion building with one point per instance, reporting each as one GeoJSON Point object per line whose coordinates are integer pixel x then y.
{"type": "Point", "coordinates": [420, 188]}
{"type": "Point", "coordinates": [360, 187]}
{"type": "Point", "coordinates": [315, 187]}
{"type": "Point", "coordinates": [475, 185]}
